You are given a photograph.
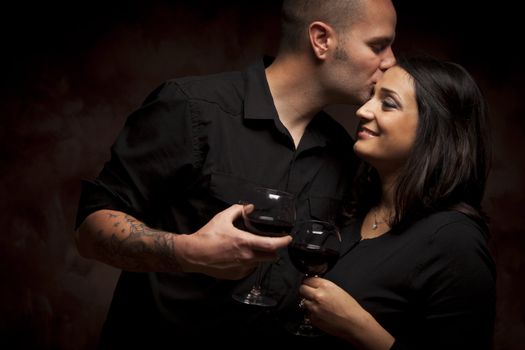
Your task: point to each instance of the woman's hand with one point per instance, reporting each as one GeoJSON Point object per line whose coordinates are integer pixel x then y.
{"type": "Point", "coordinates": [337, 313]}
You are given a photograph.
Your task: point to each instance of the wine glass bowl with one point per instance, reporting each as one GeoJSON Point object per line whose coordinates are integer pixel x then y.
{"type": "Point", "coordinates": [315, 247]}
{"type": "Point", "coordinates": [265, 212]}
{"type": "Point", "coordinates": [271, 215]}
{"type": "Point", "coordinates": [314, 250]}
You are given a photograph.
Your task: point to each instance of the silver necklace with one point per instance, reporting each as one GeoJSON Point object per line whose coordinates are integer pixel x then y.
{"type": "Point", "coordinates": [376, 223]}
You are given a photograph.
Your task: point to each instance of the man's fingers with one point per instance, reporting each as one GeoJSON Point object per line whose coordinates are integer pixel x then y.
{"type": "Point", "coordinates": [233, 212]}
{"type": "Point", "coordinates": [268, 244]}
{"type": "Point", "coordinates": [248, 208]}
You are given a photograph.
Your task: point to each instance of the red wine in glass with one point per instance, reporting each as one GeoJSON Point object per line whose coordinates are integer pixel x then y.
{"type": "Point", "coordinates": [267, 226]}
{"type": "Point", "coordinates": [311, 259]}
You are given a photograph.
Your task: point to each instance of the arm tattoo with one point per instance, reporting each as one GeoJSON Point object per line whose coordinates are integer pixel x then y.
{"type": "Point", "coordinates": [136, 247]}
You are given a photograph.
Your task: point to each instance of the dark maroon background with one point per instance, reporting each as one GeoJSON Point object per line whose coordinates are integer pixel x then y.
{"type": "Point", "coordinates": [72, 73]}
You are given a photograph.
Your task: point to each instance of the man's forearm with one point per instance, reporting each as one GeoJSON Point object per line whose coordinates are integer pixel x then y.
{"type": "Point", "coordinates": [122, 241]}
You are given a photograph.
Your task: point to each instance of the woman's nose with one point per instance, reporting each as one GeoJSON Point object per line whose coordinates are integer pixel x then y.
{"type": "Point", "coordinates": [364, 112]}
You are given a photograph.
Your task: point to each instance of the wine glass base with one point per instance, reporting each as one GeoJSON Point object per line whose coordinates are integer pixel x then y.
{"type": "Point", "coordinates": [255, 299]}
{"type": "Point", "coordinates": [304, 330]}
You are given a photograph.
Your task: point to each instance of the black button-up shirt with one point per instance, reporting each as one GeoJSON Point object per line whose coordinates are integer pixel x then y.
{"type": "Point", "coordinates": [191, 150]}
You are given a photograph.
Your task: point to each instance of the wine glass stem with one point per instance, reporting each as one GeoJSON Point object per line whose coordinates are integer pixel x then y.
{"type": "Point", "coordinates": [256, 289]}
{"type": "Point", "coordinates": [306, 319]}
{"type": "Point", "coordinates": [306, 314]}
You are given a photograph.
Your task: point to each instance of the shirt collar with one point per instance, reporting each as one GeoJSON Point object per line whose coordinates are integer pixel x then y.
{"type": "Point", "coordinates": [258, 103]}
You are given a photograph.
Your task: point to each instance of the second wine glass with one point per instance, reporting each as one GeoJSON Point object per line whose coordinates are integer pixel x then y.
{"type": "Point", "coordinates": [313, 251]}
{"type": "Point", "coordinates": [266, 212]}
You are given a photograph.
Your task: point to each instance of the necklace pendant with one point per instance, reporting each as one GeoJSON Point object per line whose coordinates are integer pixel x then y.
{"type": "Point", "coordinates": [374, 226]}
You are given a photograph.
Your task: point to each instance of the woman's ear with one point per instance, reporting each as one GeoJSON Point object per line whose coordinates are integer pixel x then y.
{"type": "Point", "coordinates": [321, 38]}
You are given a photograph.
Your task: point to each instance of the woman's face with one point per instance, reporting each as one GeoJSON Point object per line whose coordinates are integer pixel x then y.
{"type": "Point", "coordinates": [388, 122]}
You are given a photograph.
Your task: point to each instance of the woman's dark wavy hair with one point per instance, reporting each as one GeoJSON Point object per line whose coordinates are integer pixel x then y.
{"type": "Point", "coordinates": [449, 163]}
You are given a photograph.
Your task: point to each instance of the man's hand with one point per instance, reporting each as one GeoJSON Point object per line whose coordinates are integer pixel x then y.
{"type": "Point", "coordinates": [221, 250]}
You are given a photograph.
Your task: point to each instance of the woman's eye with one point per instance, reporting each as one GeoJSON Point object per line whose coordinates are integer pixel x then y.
{"type": "Point", "coordinates": [389, 103]}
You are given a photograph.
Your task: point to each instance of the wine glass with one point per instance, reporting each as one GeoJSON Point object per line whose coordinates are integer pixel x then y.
{"type": "Point", "coordinates": [313, 251]}
{"type": "Point", "coordinates": [265, 212]}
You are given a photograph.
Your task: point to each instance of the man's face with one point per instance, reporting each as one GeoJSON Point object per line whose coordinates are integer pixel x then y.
{"type": "Point", "coordinates": [364, 52]}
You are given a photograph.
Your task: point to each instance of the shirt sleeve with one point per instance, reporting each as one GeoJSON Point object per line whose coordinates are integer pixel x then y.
{"type": "Point", "coordinates": [152, 159]}
{"type": "Point", "coordinates": [457, 285]}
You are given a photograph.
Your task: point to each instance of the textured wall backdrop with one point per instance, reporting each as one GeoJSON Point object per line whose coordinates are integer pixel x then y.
{"type": "Point", "coordinates": [71, 75]}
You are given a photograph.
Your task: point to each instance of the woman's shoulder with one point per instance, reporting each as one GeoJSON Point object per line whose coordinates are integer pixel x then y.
{"type": "Point", "coordinates": [453, 231]}
{"type": "Point", "coordinates": [445, 218]}
{"type": "Point", "coordinates": [456, 253]}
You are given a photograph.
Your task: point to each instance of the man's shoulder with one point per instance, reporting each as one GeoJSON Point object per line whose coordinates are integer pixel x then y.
{"type": "Point", "coordinates": [225, 89]}
{"type": "Point", "coordinates": [208, 86]}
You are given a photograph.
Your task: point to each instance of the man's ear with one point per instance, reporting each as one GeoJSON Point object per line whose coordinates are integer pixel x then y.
{"type": "Point", "coordinates": [321, 38]}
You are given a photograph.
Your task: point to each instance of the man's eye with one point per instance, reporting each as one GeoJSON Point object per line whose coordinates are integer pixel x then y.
{"type": "Point", "coordinates": [377, 48]}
